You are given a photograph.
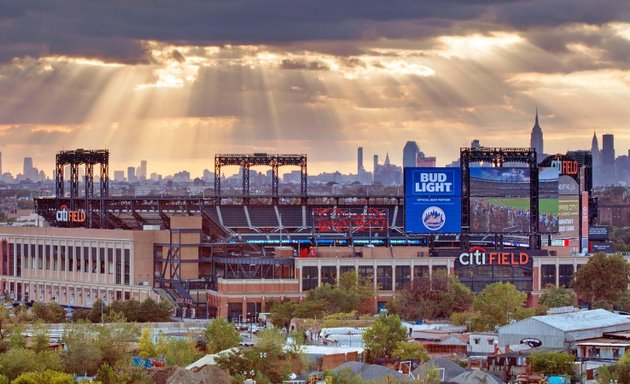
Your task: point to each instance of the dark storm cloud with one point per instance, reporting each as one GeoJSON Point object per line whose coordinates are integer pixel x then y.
{"type": "Point", "coordinates": [113, 30]}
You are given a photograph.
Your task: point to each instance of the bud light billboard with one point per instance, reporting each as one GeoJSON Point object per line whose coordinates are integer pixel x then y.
{"type": "Point", "coordinates": [433, 200]}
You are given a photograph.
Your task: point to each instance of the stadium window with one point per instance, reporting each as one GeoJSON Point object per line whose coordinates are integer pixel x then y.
{"type": "Point", "coordinates": [548, 275]}
{"type": "Point", "coordinates": [565, 275]}
{"type": "Point", "coordinates": [329, 275]}
{"type": "Point", "coordinates": [403, 276]}
{"type": "Point", "coordinates": [384, 277]}
{"type": "Point", "coordinates": [309, 278]}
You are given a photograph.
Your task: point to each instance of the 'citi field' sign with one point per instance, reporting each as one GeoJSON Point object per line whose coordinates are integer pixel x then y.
{"type": "Point", "coordinates": [480, 256]}
{"type": "Point", "coordinates": [66, 216]}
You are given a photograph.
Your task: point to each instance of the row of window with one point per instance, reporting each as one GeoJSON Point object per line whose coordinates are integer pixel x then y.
{"type": "Point", "coordinates": [565, 275]}
{"type": "Point", "coordinates": [384, 276]}
{"type": "Point", "coordinates": [50, 257]}
{"type": "Point", "coordinates": [475, 278]}
{"type": "Point", "coordinates": [39, 292]}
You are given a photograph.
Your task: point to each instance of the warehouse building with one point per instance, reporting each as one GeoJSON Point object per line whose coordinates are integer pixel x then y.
{"type": "Point", "coordinates": [563, 331]}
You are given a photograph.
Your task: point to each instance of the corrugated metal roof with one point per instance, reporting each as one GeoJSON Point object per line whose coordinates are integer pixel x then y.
{"type": "Point", "coordinates": [576, 321]}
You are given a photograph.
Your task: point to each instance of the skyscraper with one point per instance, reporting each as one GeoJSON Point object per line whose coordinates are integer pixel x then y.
{"type": "Point", "coordinates": [375, 164]}
{"type": "Point", "coordinates": [597, 176]}
{"type": "Point", "coordinates": [143, 169]}
{"type": "Point", "coordinates": [27, 170]}
{"type": "Point", "coordinates": [410, 154]}
{"type": "Point", "coordinates": [536, 141]}
{"type": "Point", "coordinates": [0, 163]}
{"type": "Point", "coordinates": [360, 168]}
{"type": "Point", "coordinates": [131, 174]}
{"type": "Point", "coordinates": [595, 148]}
{"type": "Point", "coordinates": [608, 158]}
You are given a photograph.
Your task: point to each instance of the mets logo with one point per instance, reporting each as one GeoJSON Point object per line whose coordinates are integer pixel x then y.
{"type": "Point", "coordinates": [433, 218]}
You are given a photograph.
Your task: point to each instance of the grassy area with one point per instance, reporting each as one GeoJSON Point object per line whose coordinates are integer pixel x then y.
{"type": "Point", "coordinates": [545, 205]}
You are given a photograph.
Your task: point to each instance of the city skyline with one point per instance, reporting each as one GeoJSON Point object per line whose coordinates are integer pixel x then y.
{"type": "Point", "coordinates": [175, 85]}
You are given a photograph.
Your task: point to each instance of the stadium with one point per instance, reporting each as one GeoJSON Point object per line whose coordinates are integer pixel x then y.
{"type": "Point", "coordinates": [232, 256]}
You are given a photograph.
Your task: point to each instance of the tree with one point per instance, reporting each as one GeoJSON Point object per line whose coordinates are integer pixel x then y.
{"type": "Point", "coordinates": [623, 301]}
{"type": "Point", "coordinates": [552, 363]}
{"type": "Point", "coordinates": [282, 312]}
{"type": "Point", "coordinates": [557, 297]}
{"type": "Point", "coordinates": [602, 280]}
{"type": "Point", "coordinates": [132, 309]}
{"type": "Point", "coordinates": [55, 313]}
{"type": "Point", "coordinates": [89, 345]}
{"type": "Point", "coordinates": [155, 312]}
{"type": "Point", "coordinates": [349, 295]}
{"type": "Point", "coordinates": [106, 374]}
{"type": "Point", "coordinates": [463, 319]}
{"type": "Point", "coordinates": [430, 376]}
{"type": "Point", "coordinates": [266, 362]}
{"type": "Point", "coordinates": [40, 338]}
{"type": "Point", "coordinates": [16, 340]}
{"type": "Point", "coordinates": [344, 376]}
{"type": "Point", "coordinates": [17, 361]}
{"type": "Point", "coordinates": [82, 355]}
{"type": "Point", "coordinates": [221, 335]}
{"type": "Point", "coordinates": [113, 341]}
{"type": "Point", "coordinates": [177, 352]}
{"type": "Point", "coordinates": [122, 374]}
{"type": "Point", "coordinates": [433, 297]}
{"type": "Point", "coordinates": [268, 355]}
{"type": "Point", "coordinates": [499, 304]}
{"type": "Point", "coordinates": [406, 350]}
{"type": "Point", "coordinates": [146, 346]}
{"type": "Point", "coordinates": [382, 336]}
{"type": "Point", "coordinates": [99, 309]}
{"type": "Point", "coordinates": [7, 323]}
{"type": "Point", "coordinates": [46, 377]}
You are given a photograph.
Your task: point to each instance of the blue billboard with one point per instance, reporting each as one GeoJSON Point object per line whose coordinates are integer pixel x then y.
{"type": "Point", "coordinates": [433, 182]}
{"type": "Point", "coordinates": [433, 200]}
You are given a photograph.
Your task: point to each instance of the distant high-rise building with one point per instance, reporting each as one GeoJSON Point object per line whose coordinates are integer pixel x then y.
{"type": "Point", "coordinates": [475, 144]}
{"type": "Point", "coordinates": [131, 174]}
{"type": "Point", "coordinates": [596, 155]}
{"type": "Point", "coordinates": [425, 161]}
{"type": "Point", "coordinates": [375, 164]}
{"type": "Point", "coordinates": [0, 163]}
{"type": "Point", "coordinates": [28, 170]}
{"type": "Point", "coordinates": [608, 158]}
{"type": "Point", "coordinates": [28, 166]}
{"type": "Point", "coordinates": [143, 170]}
{"type": "Point", "coordinates": [595, 148]}
{"type": "Point", "coordinates": [360, 168]}
{"type": "Point", "coordinates": [536, 140]}
{"type": "Point", "coordinates": [410, 154]}
{"type": "Point", "coordinates": [388, 174]}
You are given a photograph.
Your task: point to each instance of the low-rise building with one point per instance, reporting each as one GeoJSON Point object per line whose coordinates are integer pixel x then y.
{"type": "Point", "coordinates": [563, 331]}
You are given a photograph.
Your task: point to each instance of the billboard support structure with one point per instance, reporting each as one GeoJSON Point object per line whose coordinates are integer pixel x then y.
{"type": "Point", "coordinates": [497, 157]}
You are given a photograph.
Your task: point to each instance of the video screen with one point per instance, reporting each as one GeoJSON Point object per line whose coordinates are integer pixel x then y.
{"type": "Point", "coordinates": [548, 205]}
{"type": "Point", "coordinates": [569, 217]}
{"type": "Point", "coordinates": [500, 200]}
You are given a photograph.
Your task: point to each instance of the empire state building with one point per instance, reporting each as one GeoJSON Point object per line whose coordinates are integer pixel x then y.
{"type": "Point", "coordinates": [536, 141]}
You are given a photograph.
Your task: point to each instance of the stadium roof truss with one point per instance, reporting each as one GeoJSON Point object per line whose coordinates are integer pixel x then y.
{"type": "Point", "coordinates": [245, 161]}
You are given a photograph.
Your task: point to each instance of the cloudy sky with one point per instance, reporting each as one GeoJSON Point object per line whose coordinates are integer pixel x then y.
{"type": "Point", "coordinates": [174, 82]}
